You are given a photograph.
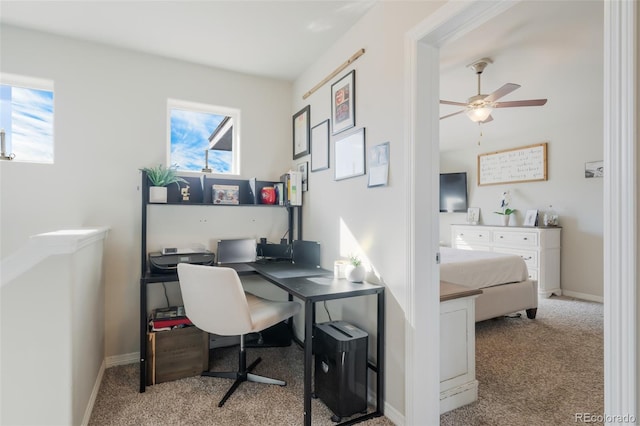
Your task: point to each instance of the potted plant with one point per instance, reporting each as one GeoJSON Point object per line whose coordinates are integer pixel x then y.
{"type": "Point", "coordinates": [505, 211]}
{"type": "Point", "coordinates": [160, 177]}
{"type": "Point", "coordinates": [354, 271]}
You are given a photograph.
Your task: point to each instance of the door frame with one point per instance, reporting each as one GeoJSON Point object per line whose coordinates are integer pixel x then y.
{"type": "Point", "coordinates": [620, 232]}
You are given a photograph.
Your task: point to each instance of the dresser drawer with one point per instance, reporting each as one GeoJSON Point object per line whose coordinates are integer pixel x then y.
{"type": "Point", "coordinates": [530, 257]}
{"type": "Point", "coordinates": [513, 238]}
{"type": "Point", "coordinates": [471, 235]}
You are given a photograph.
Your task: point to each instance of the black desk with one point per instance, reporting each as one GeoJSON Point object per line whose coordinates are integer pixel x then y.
{"type": "Point", "coordinates": [294, 279]}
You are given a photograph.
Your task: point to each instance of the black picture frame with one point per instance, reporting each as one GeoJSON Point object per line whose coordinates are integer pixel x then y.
{"type": "Point", "coordinates": [301, 132]}
{"type": "Point", "coordinates": [320, 146]}
{"type": "Point", "coordinates": [343, 103]}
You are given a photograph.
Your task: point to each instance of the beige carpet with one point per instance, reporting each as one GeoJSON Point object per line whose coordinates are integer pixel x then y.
{"type": "Point", "coordinates": [538, 372]}
{"type": "Point", "coordinates": [193, 401]}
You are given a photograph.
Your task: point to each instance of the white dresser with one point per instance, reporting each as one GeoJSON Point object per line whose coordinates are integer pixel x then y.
{"type": "Point", "coordinates": [538, 246]}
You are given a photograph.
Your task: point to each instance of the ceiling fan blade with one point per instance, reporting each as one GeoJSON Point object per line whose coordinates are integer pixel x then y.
{"type": "Point", "coordinates": [453, 103]}
{"type": "Point", "coordinates": [529, 102]}
{"type": "Point", "coordinates": [503, 91]}
{"type": "Point", "coordinates": [451, 115]}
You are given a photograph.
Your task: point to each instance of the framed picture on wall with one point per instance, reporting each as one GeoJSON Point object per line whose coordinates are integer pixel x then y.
{"type": "Point", "coordinates": [301, 132]}
{"type": "Point", "coordinates": [343, 103]}
{"type": "Point", "coordinates": [320, 146]}
{"type": "Point", "coordinates": [350, 155]}
{"type": "Point", "coordinates": [303, 168]}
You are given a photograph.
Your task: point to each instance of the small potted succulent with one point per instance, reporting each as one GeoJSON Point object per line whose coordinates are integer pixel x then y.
{"type": "Point", "coordinates": [354, 271]}
{"type": "Point", "coordinates": [160, 177]}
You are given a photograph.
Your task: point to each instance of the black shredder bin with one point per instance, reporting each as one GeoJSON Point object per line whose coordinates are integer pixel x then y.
{"type": "Point", "coordinates": [341, 367]}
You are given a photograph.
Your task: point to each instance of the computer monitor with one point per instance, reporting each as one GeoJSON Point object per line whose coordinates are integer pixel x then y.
{"type": "Point", "coordinates": [240, 250]}
{"type": "Point", "coordinates": [306, 253]}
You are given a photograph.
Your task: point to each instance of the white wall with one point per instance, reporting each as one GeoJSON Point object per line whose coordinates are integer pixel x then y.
{"type": "Point", "coordinates": [346, 215]}
{"type": "Point", "coordinates": [568, 72]}
{"type": "Point", "coordinates": [110, 109]}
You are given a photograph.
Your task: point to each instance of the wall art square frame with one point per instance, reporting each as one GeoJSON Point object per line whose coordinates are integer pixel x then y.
{"type": "Point", "coordinates": [343, 103]}
{"type": "Point", "coordinates": [320, 146]}
{"type": "Point", "coordinates": [301, 132]}
{"type": "Point", "coordinates": [350, 155]}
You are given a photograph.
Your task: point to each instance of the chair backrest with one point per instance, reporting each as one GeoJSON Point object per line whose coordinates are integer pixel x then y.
{"type": "Point", "coordinates": [214, 299]}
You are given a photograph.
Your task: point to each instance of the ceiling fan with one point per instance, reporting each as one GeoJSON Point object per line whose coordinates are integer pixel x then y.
{"type": "Point", "coordinates": [478, 108]}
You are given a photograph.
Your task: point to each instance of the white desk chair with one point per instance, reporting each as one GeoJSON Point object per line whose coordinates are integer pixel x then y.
{"type": "Point", "coordinates": [215, 302]}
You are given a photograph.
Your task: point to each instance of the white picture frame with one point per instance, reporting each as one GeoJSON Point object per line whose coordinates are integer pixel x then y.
{"type": "Point", "coordinates": [531, 218]}
{"type": "Point", "coordinates": [473, 215]}
{"type": "Point", "coordinates": [350, 155]}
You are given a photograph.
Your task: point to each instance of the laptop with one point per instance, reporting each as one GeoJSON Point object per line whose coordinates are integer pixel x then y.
{"type": "Point", "coordinates": [237, 253]}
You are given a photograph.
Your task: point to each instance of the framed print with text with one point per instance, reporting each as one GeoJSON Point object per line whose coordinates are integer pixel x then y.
{"type": "Point", "coordinates": [343, 103]}
{"type": "Point", "coordinates": [320, 146]}
{"type": "Point", "coordinates": [301, 132]}
{"type": "Point", "coordinates": [350, 155]}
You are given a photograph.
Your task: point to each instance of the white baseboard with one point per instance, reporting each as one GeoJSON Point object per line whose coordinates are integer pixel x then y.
{"type": "Point", "coordinates": [583, 296]}
{"type": "Point", "coordinates": [123, 359]}
{"type": "Point", "coordinates": [94, 395]}
{"type": "Point", "coordinates": [394, 415]}
{"type": "Point", "coordinates": [451, 399]}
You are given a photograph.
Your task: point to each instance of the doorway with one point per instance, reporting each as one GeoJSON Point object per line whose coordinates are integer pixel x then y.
{"type": "Point", "coordinates": [422, 359]}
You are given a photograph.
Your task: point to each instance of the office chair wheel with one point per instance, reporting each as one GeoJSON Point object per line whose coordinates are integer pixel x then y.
{"type": "Point", "coordinates": [336, 419]}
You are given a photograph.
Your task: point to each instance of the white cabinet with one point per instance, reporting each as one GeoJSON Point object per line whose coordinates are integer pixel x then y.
{"type": "Point", "coordinates": [539, 247]}
{"type": "Point", "coordinates": [458, 384]}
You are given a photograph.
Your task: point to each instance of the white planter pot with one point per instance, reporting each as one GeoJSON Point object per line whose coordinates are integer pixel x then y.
{"type": "Point", "coordinates": [505, 219]}
{"type": "Point", "coordinates": [157, 194]}
{"type": "Point", "coordinates": [354, 274]}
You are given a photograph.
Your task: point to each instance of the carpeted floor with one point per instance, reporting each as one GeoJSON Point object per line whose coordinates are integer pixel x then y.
{"type": "Point", "coordinates": [540, 372]}
{"type": "Point", "coordinates": [193, 401]}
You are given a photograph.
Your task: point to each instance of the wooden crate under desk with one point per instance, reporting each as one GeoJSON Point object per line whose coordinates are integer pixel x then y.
{"type": "Point", "coordinates": [176, 354]}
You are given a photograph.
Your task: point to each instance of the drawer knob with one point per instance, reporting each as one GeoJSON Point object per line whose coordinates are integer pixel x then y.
{"type": "Point", "coordinates": [501, 236]}
{"type": "Point", "coordinates": [527, 258]}
{"type": "Point", "coordinates": [525, 238]}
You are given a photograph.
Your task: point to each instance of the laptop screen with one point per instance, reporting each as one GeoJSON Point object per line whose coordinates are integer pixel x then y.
{"type": "Point", "coordinates": [236, 251]}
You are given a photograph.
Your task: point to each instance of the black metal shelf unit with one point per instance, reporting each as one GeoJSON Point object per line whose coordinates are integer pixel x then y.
{"type": "Point", "coordinates": [248, 197]}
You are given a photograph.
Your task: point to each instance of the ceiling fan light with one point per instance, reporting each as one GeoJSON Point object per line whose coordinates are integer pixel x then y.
{"type": "Point", "coordinates": [479, 114]}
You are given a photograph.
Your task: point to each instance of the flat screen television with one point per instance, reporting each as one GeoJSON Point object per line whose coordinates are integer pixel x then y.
{"type": "Point", "coordinates": [453, 192]}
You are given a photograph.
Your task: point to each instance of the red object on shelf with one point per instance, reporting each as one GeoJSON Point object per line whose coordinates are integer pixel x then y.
{"type": "Point", "coordinates": [268, 195]}
{"type": "Point", "coordinates": [171, 322]}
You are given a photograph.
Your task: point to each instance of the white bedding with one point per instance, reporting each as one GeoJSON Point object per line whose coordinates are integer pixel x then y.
{"type": "Point", "coordinates": [480, 269]}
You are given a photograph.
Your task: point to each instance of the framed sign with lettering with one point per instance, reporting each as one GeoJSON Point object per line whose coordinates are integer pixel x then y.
{"type": "Point", "coordinates": [524, 164]}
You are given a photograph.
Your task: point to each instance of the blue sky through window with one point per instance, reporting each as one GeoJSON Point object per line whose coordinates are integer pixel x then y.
{"type": "Point", "coordinates": [26, 115]}
{"type": "Point", "coordinates": [190, 131]}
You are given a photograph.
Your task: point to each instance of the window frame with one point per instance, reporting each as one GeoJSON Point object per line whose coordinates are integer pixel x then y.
{"type": "Point", "coordinates": [234, 113]}
{"type": "Point", "coordinates": [33, 83]}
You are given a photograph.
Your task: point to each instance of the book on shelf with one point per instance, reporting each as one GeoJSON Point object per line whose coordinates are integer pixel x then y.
{"type": "Point", "coordinates": [168, 318]}
{"type": "Point", "coordinates": [292, 182]}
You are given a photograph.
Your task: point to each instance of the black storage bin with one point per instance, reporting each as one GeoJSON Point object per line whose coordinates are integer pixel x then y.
{"type": "Point", "coordinates": [341, 367]}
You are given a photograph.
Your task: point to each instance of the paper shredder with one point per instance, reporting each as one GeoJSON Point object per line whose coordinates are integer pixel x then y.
{"type": "Point", "coordinates": [341, 367]}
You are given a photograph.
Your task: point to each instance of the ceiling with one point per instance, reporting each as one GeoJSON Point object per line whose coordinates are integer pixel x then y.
{"type": "Point", "coordinates": [277, 39]}
{"type": "Point", "coordinates": [533, 44]}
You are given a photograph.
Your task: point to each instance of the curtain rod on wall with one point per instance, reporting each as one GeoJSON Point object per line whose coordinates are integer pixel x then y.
{"type": "Point", "coordinates": [334, 73]}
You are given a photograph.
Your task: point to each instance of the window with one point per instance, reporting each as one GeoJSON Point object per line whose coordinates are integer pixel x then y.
{"type": "Point", "coordinates": [26, 117]}
{"type": "Point", "coordinates": [203, 138]}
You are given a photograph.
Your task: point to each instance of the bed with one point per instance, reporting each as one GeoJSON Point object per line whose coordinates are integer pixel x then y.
{"type": "Point", "coordinates": [503, 279]}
